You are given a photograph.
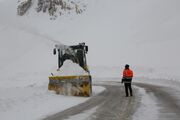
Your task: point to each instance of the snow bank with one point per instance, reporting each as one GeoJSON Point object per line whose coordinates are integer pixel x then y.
{"type": "Point", "coordinates": [36, 102]}
{"type": "Point", "coordinates": [70, 69]}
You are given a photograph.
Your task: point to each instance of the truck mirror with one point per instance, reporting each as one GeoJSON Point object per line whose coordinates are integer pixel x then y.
{"type": "Point", "coordinates": [54, 51]}
{"type": "Point", "coordinates": [86, 48]}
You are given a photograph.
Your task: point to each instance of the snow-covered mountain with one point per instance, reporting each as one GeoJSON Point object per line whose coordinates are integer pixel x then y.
{"type": "Point", "coordinates": [141, 33]}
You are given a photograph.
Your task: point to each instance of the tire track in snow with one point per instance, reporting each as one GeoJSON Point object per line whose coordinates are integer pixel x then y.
{"type": "Point", "coordinates": [111, 105]}
{"type": "Point", "coordinates": [167, 100]}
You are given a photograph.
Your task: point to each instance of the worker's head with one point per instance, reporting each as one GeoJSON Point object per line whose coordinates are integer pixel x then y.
{"type": "Point", "coordinates": [126, 66]}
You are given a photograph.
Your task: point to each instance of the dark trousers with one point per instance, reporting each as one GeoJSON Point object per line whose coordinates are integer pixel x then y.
{"type": "Point", "coordinates": [128, 88]}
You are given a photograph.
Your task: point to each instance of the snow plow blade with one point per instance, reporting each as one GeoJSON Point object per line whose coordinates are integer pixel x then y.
{"type": "Point", "coordinates": [71, 85]}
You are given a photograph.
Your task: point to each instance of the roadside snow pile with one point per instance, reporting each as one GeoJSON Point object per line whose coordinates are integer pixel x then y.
{"type": "Point", "coordinates": [35, 102]}
{"type": "Point", "coordinates": [70, 69]}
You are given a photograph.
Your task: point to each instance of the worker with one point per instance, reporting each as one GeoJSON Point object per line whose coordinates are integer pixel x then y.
{"type": "Point", "coordinates": [127, 79]}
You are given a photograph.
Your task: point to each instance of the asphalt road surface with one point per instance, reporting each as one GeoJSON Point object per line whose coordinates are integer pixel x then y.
{"type": "Point", "coordinates": [167, 100]}
{"type": "Point", "coordinates": [113, 105]}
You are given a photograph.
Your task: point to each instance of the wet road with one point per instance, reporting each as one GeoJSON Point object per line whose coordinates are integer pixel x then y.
{"type": "Point", "coordinates": [167, 100]}
{"type": "Point", "coordinates": [113, 105]}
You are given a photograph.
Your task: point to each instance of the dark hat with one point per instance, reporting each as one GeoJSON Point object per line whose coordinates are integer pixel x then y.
{"type": "Point", "coordinates": [126, 66]}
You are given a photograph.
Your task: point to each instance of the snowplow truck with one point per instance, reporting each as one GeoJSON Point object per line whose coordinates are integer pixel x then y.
{"type": "Point", "coordinates": [73, 85]}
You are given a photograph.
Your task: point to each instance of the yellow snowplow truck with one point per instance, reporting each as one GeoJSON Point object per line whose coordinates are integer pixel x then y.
{"type": "Point", "coordinates": [74, 85]}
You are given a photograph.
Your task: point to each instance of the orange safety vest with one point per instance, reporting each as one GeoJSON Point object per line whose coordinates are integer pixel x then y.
{"type": "Point", "coordinates": [127, 73]}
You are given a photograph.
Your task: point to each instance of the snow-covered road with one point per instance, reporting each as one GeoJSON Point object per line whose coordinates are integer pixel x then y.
{"type": "Point", "coordinates": [166, 103]}
{"type": "Point", "coordinates": [111, 104]}
{"type": "Point", "coordinates": [150, 102]}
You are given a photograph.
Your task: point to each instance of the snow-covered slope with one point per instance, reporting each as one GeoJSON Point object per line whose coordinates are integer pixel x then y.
{"type": "Point", "coordinates": [143, 33]}
{"type": "Point", "coordinates": [139, 32]}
